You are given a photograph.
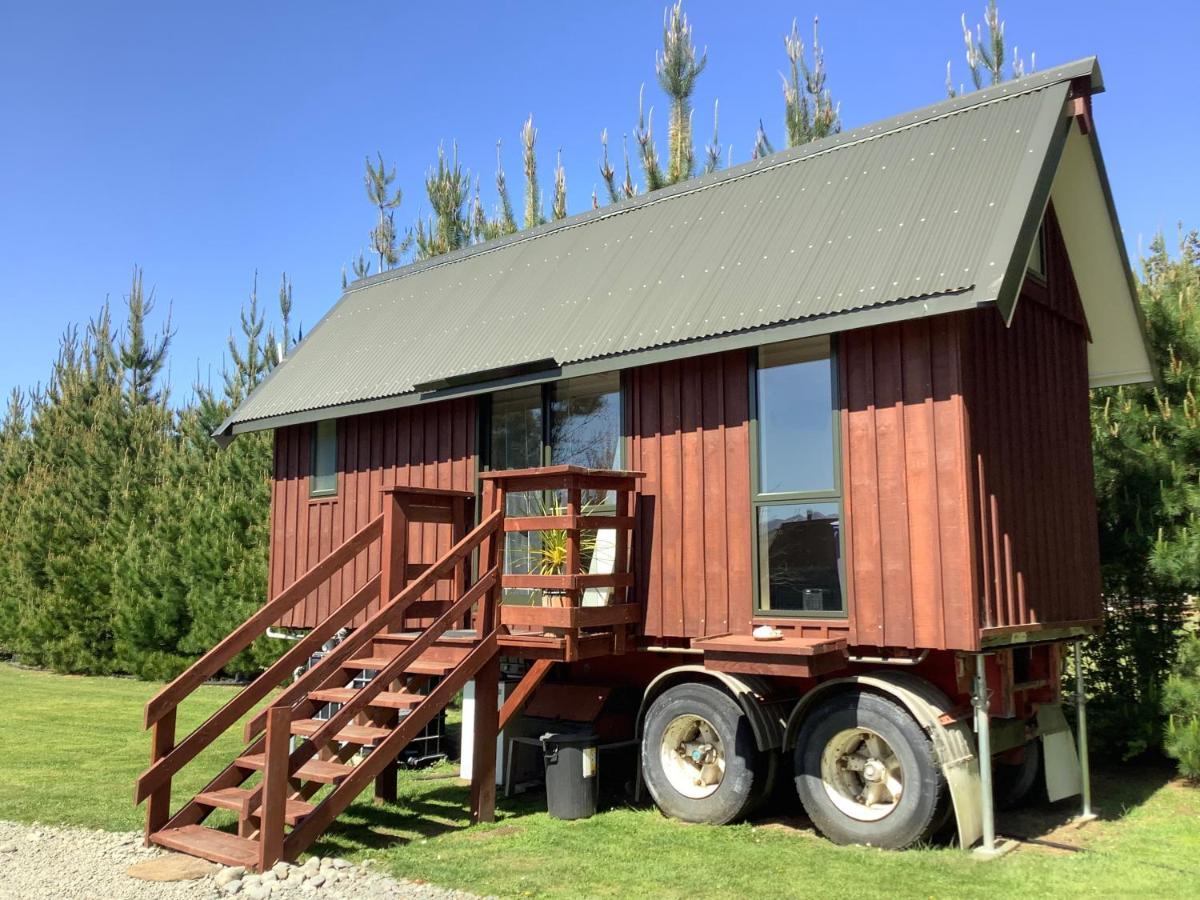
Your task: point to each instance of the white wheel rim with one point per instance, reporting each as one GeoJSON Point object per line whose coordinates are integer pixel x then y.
{"type": "Point", "coordinates": [862, 774]}
{"type": "Point", "coordinates": [692, 756]}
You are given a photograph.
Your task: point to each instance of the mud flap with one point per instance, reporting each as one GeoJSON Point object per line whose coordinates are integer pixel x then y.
{"type": "Point", "coordinates": [1060, 759]}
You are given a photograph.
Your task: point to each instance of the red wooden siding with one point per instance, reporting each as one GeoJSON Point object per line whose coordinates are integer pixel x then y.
{"type": "Point", "coordinates": [904, 481]}
{"type": "Point", "coordinates": [689, 432]}
{"type": "Point", "coordinates": [425, 446]}
{"type": "Point", "coordinates": [1032, 466]}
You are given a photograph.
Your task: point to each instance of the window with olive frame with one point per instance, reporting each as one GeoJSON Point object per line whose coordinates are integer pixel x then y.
{"type": "Point", "coordinates": [797, 494]}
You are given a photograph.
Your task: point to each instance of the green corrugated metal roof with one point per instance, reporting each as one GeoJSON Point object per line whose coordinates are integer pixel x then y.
{"type": "Point", "coordinates": [920, 214]}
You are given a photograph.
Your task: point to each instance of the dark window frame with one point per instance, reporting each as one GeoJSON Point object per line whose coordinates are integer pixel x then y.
{"type": "Point", "coordinates": [486, 457]}
{"type": "Point", "coordinates": [760, 499]}
{"type": "Point", "coordinates": [314, 491]}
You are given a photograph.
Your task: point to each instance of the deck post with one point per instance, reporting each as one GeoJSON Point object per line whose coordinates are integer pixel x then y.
{"type": "Point", "coordinates": [275, 787]}
{"type": "Point", "coordinates": [1085, 777]}
{"type": "Point", "coordinates": [158, 805]}
{"type": "Point", "coordinates": [483, 759]}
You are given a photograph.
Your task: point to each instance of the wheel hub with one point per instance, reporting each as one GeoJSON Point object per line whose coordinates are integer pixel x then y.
{"type": "Point", "coordinates": [692, 756]}
{"type": "Point", "coordinates": [862, 774]}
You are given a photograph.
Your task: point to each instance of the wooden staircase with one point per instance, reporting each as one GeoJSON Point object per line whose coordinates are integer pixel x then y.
{"type": "Point", "coordinates": [382, 691]}
{"type": "Point", "coordinates": [381, 685]}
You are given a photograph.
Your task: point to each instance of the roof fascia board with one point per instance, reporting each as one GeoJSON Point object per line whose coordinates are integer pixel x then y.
{"type": "Point", "coordinates": [916, 308]}
{"type": "Point", "coordinates": [1024, 206]}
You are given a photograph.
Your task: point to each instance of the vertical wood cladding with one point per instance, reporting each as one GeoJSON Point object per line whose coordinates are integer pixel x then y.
{"type": "Point", "coordinates": [424, 446]}
{"type": "Point", "coordinates": [966, 481]}
{"type": "Point", "coordinates": [689, 432]}
{"type": "Point", "coordinates": [1032, 464]}
{"type": "Point", "coordinates": [908, 560]}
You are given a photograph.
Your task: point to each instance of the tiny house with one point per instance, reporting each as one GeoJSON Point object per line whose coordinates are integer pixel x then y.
{"type": "Point", "coordinates": [796, 454]}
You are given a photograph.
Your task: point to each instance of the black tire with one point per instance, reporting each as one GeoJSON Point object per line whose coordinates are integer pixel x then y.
{"type": "Point", "coordinates": [746, 770]}
{"type": "Point", "coordinates": [1015, 785]}
{"type": "Point", "coordinates": [923, 800]}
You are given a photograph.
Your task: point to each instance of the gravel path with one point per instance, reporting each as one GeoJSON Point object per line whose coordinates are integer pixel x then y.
{"type": "Point", "coordinates": [42, 862]}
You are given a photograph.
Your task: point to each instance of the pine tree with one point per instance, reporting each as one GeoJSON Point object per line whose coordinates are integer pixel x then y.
{"type": "Point", "coordinates": [449, 226]}
{"type": "Point", "coordinates": [378, 181]}
{"type": "Point", "coordinates": [809, 111]}
{"type": "Point", "coordinates": [533, 194]}
{"type": "Point", "coordinates": [649, 152]}
{"type": "Point", "coordinates": [559, 208]}
{"type": "Point", "coordinates": [677, 69]}
{"type": "Point", "coordinates": [606, 170]}
{"type": "Point", "coordinates": [1146, 442]}
{"type": "Point", "coordinates": [506, 221]}
{"type": "Point", "coordinates": [985, 58]}
{"type": "Point", "coordinates": [712, 150]}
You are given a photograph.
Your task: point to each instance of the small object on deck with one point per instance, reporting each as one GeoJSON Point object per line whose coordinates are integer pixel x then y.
{"type": "Point", "coordinates": [767, 633]}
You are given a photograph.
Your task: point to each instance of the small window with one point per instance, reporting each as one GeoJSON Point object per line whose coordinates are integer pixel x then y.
{"type": "Point", "coordinates": [797, 498]}
{"type": "Point", "coordinates": [323, 481]}
{"type": "Point", "coordinates": [1037, 254]}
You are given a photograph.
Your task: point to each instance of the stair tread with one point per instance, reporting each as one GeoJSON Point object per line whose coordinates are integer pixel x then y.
{"type": "Point", "coordinates": [420, 667]}
{"type": "Point", "coordinates": [314, 770]}
{"type": "Point", "coordinates": [384, 699]}
{"type": "Point", "coordinates": [232, 798]}
{"type": "Point", "coordinates": [465, 637]}
{"type": "Point", "coordinates": [349, 734]}
{"type": "Point", "coordinates": [208, 843]}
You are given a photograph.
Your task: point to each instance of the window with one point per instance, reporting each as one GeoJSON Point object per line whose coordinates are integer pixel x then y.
{"type": "Point", "coordinates": [1037, 255]}
{"type": "Point", "coordinates": [323, 480]}
{"type": "Point", "coordinates": [576, 421]}
{"type": "Point", "coordinates": [797, 499]}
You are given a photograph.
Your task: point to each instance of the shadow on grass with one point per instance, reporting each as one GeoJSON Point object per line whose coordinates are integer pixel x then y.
{"type": "Point", "coordinates": [1117, 789]}
{"type": "Point", "coordinates": [428, 812]}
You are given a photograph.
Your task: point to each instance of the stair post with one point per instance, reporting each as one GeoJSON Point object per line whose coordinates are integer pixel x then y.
{"type": "Point", "coordinates": [158, 805]}
{"type": "Point", "coordinates": [275, 786]}
{"type": "Point", "coordinates": [393, 571]}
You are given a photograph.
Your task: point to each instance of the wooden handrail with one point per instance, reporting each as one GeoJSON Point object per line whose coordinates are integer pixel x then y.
{"type": "Point", "coordinates": [240, 638]}
{"type": "Point", "coordinates": [387, 614]}
{"type": "Point", "coordinates": [329, 665]}
{"type": "Point", "coordinates": [242, 702]}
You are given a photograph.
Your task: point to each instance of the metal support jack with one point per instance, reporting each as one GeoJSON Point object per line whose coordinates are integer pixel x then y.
{"type": "Point", "coordinates": [1085, 779]}
{"type": "Point", "coordinates": [988, 849]}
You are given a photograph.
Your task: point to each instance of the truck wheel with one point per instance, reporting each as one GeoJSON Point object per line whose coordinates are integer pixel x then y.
{"type": "Point", "coordinates": [866, 773]}
{"type": "Point", "coordinates": [699, 758]}
{"type": "Point", "coordinates": [1015, 783]}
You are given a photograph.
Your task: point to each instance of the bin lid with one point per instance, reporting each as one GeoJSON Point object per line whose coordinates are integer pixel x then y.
{"type": "Point", "coordinates": [570, 738]}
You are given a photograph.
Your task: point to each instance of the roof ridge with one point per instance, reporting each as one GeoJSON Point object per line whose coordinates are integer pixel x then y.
{"type": "Point", "coordinates": [933, 112]}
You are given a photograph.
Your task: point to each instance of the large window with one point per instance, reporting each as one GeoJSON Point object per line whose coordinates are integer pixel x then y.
{"type": "Point", "coordinates": [323, 480]}
{"type": "Point", "coordinates": [577, 422]}
{"type": "Point", "coordinates": [797, 499]}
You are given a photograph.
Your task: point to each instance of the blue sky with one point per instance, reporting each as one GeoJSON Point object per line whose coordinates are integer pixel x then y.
{"type": "Point", "coordinates": [206, 141]}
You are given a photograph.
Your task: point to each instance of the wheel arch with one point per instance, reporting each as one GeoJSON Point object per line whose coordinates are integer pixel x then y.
{"type": "Point", "coordinates": [953, 739]}
{"type": "Point", "coordinates": [764, 712]}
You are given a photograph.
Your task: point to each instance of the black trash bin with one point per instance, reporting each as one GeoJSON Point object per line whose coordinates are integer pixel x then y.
{"type": "Point", "coordinates": [571, 774]}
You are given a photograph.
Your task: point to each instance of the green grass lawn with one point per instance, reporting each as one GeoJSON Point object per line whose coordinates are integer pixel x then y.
{"type": "Point", "coordinates": [70, 749]}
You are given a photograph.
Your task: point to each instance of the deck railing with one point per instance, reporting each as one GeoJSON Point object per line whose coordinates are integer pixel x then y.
{"type": "Point", "coordinates": [568, 618]}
